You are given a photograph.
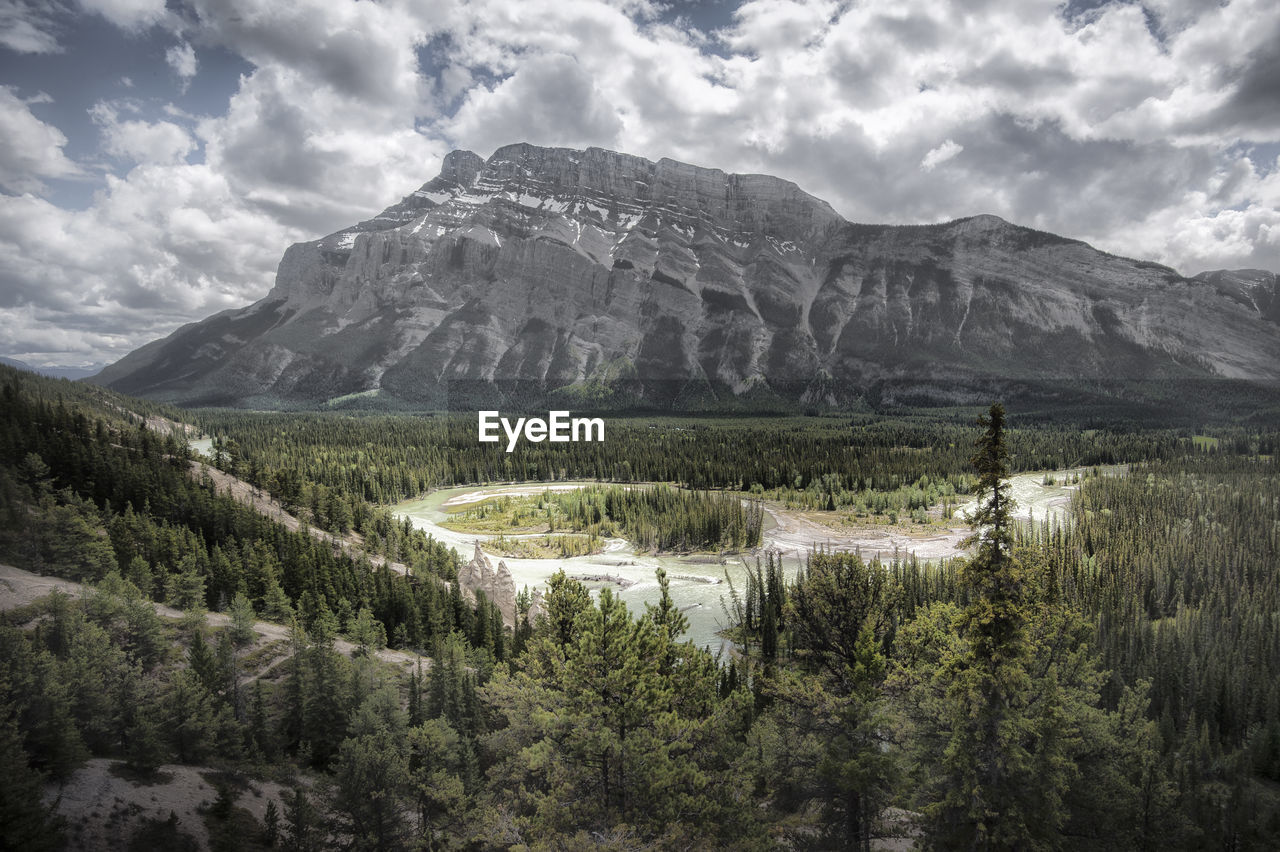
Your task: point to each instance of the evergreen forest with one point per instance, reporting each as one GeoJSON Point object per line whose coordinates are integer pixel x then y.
{"type": "Point", "coordinates": [1109, 681]}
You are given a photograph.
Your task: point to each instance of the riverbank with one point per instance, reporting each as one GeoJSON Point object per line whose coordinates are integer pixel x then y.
{"type": "Point", "coordinates": [701, 587]}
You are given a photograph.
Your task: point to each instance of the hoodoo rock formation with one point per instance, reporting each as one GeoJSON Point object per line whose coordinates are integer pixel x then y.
{"type": "Point", "coordinates": [479, 575]}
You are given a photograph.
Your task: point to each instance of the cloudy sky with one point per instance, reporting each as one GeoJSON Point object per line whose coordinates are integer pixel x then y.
{"type": "Point", "coordinates": [157, 157]}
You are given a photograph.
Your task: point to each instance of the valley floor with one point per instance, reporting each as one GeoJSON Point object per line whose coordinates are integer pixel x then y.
{"type": "Point", "coordinates": [698, 580]}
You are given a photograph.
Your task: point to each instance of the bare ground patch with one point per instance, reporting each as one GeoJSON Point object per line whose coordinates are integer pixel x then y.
{"type": "Point", "coordinates": [104, 807]}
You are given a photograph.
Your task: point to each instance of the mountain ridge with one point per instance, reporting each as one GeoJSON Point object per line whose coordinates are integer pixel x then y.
{"type": "Point", "coordinates": [585, 270]}
{"type": "Point", "coordinates": [58, 372]}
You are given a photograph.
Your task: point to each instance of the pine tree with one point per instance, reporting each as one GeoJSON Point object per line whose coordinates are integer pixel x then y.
{"type": "Point", "coordinates": [768, 634]}
{"type": "Point", "coordinates": [146, 639]}
{"type": "Point", "coordinates": [565, 600]}
{"type": "Point", "coordinates": [186, 587]}
{"type": "Point", "coordinates": [416, 716]}
{"type": "Point", "coordinates": [139, 573]}
{"type": "Point", "coordinates": [144, 744]}
{"type": "Point", "coordinates": [189, 718]}
{"type": "Point", "coordinates": [275, 603]}
{"type": "Point", "coordinates": [669, 621]}
{"type": "Point", "coordinates": [227, 671]}
{"type": "Point", "coordinates": [301, 823]}
{"type": "Point", "coordinates": [25, 822]}
{"type": "Point", "coordinates": [271, 824]}
{"type": "Point", "coordinates": [204, 664]}
{"type": "Point", "coordinates": [371, 778]}
{"type": "Point", "coordinates": [829, 700]}
{"type": "Point", "coordinates": [32, 686]}
{"type": "Point", "coordinates": [367, 632]}
{"type": "Point", "coordinates": [1004, 707]}
{"type": "Point", "coordinates": [597, 738]}
{"type": "Point", "coordinates": [987, 759]}
{"type": "Point", "coordinates": [325, 701]}
{"type": "Point", "coordinates": [242, 620]}
{"type": "Point", "coordinates": [438, 790]}
{"type": "Point", "coordinates": [293, 720]}
{"type": "Point", "coordinates": [259, 734]}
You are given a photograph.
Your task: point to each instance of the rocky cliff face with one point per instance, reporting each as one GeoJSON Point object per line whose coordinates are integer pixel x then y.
{"type": "Point", "coordinates": [1255, 289]}
{"type": "Point", "coordinates": [587, 270]}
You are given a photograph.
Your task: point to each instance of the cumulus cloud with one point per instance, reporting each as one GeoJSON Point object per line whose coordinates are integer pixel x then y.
{"type": "Point", "coordinates": [29, 26]}
{"type": "Point", "coordinates": [550, 100]}
{"type": "Point", "coordinates": [157, 248]}
{"type": "Point", "coordinates": [764, 27]}
{"type": "Point", "coordinates": [1086, 126]}
{"type": "Point", "coordinates": [33, 26]}
{"type": "Point", "coordinates": [170, 241]}
{"type": "Point", "coordinates": [315, 158]}
{"type": "Point", "coordinates": [29, 149]}
{"type": "Point", "coordinates": [940, 155]}
{"type": "Point", "coordinates": [664, 90]}
{"type": "Point", "coordinates": [355, 50]}
{"type": "Point", "coordinates": [137, 140]}
{"type": "Point", "coordinates": [132, 15]}
{"type": "Point", "coordinates": [182, 59]}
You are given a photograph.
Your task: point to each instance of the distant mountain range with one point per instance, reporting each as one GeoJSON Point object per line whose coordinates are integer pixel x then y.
{"type": "Point", "coordinates": [54, 372]}
{"type": "Point", "coordinates": [600, 278]}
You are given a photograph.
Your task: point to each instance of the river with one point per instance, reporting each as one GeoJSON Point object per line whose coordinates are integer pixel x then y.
{"type": "Point", "coordinates": [698, 582]}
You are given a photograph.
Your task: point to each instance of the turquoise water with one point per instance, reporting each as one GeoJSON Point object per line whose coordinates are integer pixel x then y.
{"type": "Point", "coordinates": [697, 583]}
{"type": "Point", "coordinates": [700, 584]}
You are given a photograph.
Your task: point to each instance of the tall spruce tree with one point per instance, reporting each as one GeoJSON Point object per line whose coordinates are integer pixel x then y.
{"type": "Point", "coordinates": [987, 761]}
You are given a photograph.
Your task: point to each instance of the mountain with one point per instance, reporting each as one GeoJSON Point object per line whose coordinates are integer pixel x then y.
{"type": "Point", "coordinates": [53, 372]}
{"type": "Point", "coordinates": [580, 273]}
{"type": "Point", "coordinates": [1256, 289]}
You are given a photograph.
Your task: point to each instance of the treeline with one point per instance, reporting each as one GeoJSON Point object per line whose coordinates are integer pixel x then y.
{"type": "Point", "coordinates": [664, 518]}
{"type": "Point", "coordinates": [1176, 564]}
{"type": "Point", "coordinates": [1108, 684]}
{"type": "Point", "coordinates": [656, 517]}
{"type": "Point", "coordinates": [106, 677]}
{"type": "Point", "coordinates": [383, 458]}
{"type": "Point", "coordinates": [609, 732]}
{"type": "Point", "coordinates": [325, 506]}
{"type": "Point", "coordinates": [829, 494]}
{"type": "Point", "coordinates": [1111, 684]}
{"type": "Point", "coordinates": [84, 494]}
